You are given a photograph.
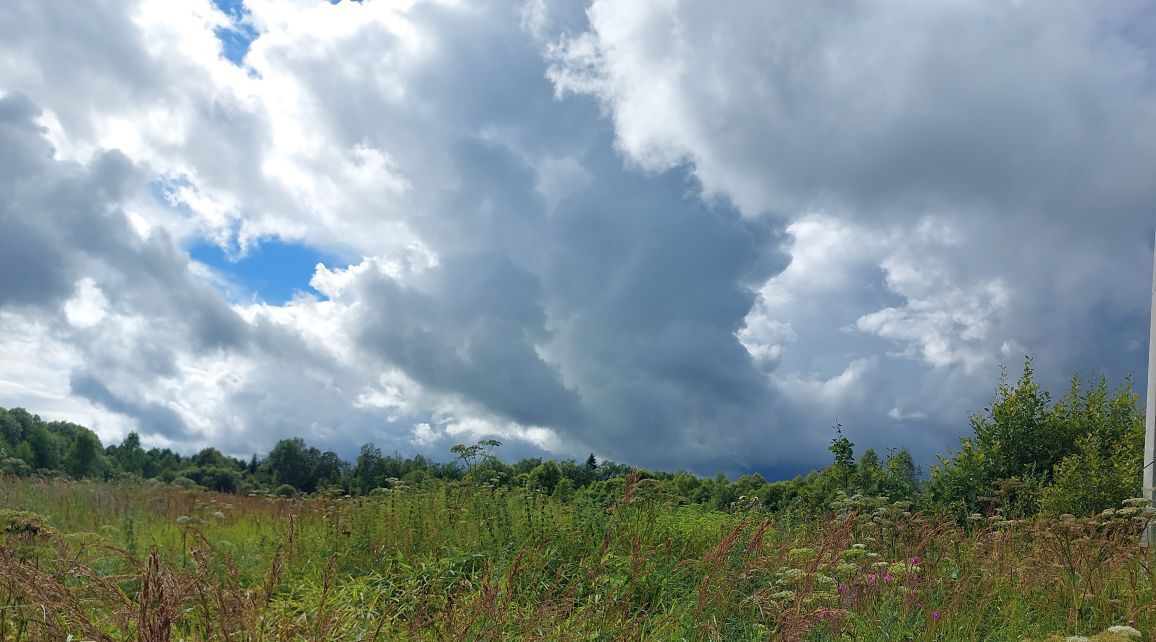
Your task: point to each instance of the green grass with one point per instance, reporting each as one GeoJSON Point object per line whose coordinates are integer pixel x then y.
{"type": "Point", "coordinates": [124, 561]}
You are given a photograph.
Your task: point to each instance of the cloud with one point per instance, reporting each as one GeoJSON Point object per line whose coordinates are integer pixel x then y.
{"type": "Point", "coordinates": [32, 270]}
{"type": "Point", "coordinates": [470, 327]}
{"type": "Point", "coordinates": [963, 180]}
{"type": "Point", "coordinates": [153, 418]}
{"type": "Point", "coordinates": [673, 234]}
{"type": "Point", "coordinates": [880, 106]}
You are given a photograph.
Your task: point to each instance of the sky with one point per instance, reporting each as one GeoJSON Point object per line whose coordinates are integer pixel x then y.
{"type": "Point", "coordinates": [676, 234]}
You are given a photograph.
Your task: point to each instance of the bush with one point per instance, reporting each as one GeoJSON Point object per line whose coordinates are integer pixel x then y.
{"type": "Point", "coordinates": [185, 482]}
{"type": "Point", "coordinates": [1105, 468]}
{"type": "Point", "coordinates": [1079, 455]}
{"type": "Point", "coordinates": [15, 466]}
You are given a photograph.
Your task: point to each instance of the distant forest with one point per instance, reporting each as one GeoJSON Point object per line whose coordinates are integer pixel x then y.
{"type": "Point", "coordinates": [1026, 453]}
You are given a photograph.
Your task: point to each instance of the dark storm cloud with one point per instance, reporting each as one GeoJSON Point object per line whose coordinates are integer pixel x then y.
{"type": "Point", "coordinates": [153, 419]}
{"type": "Point", "coordinates": [608, 317]}
{"type": "Point", "coordinates": [1025, 131]}
{"type": "Point", "coordinates": [32, 268]}
{"type": "Point", "coordinates": [647, 291]}
{"type": "Point", "coordinates": [469, 326]}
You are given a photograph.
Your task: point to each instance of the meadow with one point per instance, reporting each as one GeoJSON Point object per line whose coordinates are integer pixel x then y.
{"type": "Point", "coordinates": [143, 560]}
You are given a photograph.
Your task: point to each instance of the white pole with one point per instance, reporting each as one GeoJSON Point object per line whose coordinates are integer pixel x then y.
{"type": "Point", "coordinates": [1150, 412]}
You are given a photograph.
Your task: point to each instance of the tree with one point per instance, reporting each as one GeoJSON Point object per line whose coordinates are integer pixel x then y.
{"type": "Point", "coordinates": [24, 453]}
{"type": "Point", "coordinates": [83, 458]}
{"type": "Point", "coordinates": [564, 490]}
{"type": "Point", "coordinates": [211, 457]}
{"type": "Point", "coordinates": [545, 476]}
{"type": "Point", "coordinates": [129, 455]}
{"type": "Point", "coordinates": [1017, 438]}
{"type": "Point", "coordinates": [19, 424]}
{"type": "Point", "coordinates": [1105, 467]}
{"type": "Point", "coordinates": [689, 487]}
{"type": "Point", "coordinates": [591, 463]}
{"type": "Point", "coordinates": [11, 431]}
{"type": "Point", "coordinates": [368, 472]}
{"type": "Point", "coordinates": [869, 473]}
{"type": "Point", "coordinates": [1022, 435]}
{"type": "Point", "coordinates": [43, 449]}
{"type": "Point", "coordinates": [1077, 455]}
{"type": "Point", "coordinates": [291, 462]}
{"type": "Point", "coordinates": [900, 476]}
{"type": "Point", "coordinates": [330, 470]}
{"type": "Point", "coordinates": [218, 478]}
{"type": "Point", "coordinates": [161, 464]}
{"type": "Point", "coordinates": [843, 471]}
{"type": "Point", "coordinates": [722, 492]}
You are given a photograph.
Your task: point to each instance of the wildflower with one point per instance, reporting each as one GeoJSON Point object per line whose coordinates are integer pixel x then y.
{"type": "Point", "coordinates": [845, 569]}
{"type": "Point", "coordinates": [917, 560]}
{"type": "Point", "coordinates": [799, 555]}
{"type": "Point", "coordinates": [887, 577]}
{"type": "Point", "coordinates": [870, 579]}
{"type": "Point", "coordinates": [783, 596]}
{"type": "Point", "coordinates": [824, 581]}
{"type": "Point", "coordinates": [791, 575]}
{"type": "Point", "coordinates": [935, 615]}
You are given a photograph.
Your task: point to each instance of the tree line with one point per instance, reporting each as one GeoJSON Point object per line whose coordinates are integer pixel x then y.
{"type": "Point", "coordinates": [1026, 453]}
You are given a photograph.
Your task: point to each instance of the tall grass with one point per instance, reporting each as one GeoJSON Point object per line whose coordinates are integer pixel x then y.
{"type": "Point", "coordinates": [149, 562]}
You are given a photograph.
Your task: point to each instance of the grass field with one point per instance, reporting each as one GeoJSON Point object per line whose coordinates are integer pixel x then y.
{"type": "Point", "coordinates": [150, 562]}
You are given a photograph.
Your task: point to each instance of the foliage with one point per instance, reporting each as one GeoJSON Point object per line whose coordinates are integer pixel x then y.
{"type": "Point", "coordinates": [1105, 466]}
{"type": "Point", "coordinates": [1025, 453]}
{"type": "Point", "coordinates": [160, 563]}
{"type": "Point", "coordinates": [1081, 454]}
{"type": "Point", "coordinates": [300, 545]}
{"type": "Point", "coordinates": [477, 456]}
{"type": "Point", "coordinates": [84, 455]}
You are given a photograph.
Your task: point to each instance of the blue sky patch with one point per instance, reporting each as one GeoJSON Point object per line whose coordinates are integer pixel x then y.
{"type": "Point", "coordinates": [271, 271]}
{"type": "Point", "coordinates": [235, 41]}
